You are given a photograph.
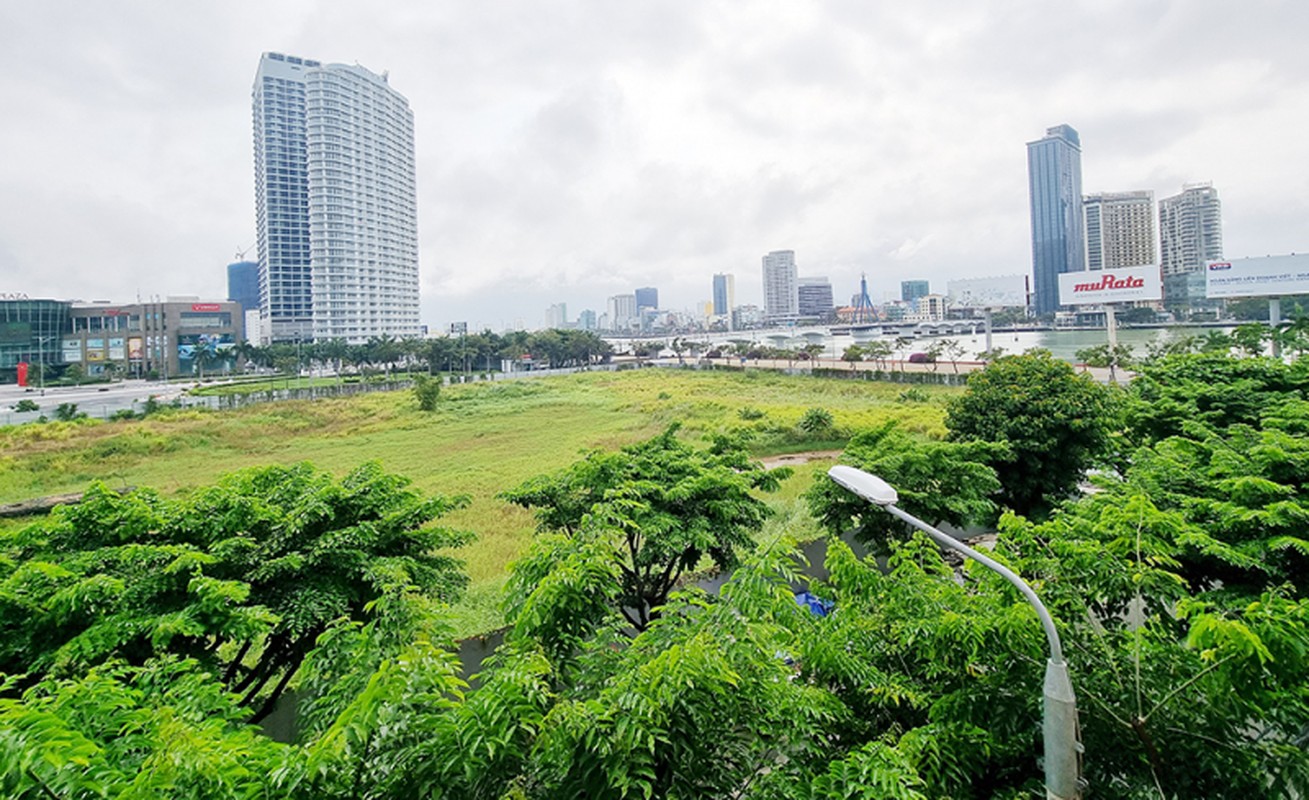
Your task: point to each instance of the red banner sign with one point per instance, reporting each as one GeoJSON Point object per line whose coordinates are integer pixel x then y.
{"type": "Point", "coordinates": [205, 307]}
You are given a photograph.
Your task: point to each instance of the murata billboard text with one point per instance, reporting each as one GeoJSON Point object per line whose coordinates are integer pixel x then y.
{"type": "Point", "coordinates": [1110, 286]}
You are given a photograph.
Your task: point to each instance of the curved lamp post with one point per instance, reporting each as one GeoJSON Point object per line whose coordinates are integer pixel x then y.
{"type": "Point", "coordinates": [1059, 719]}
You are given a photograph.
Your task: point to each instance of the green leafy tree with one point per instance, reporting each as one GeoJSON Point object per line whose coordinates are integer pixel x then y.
{"type": "Point", "coordinates": [1251, 338]}
{"type": "Point", "coordinates": [853, 354]}
{"type": "Point", "coordinates": [1057, 424]}
{"type": "Point", "coordinates": [242, 577]}
{"type": "Point", "coordinates": [878, 352]}
{"type": "Point", "coordinates": [657, 508]}
{"type": "Point", "coordinates": [942, 482]}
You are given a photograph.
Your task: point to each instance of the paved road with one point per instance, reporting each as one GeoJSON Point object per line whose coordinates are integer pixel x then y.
{"type": "Point", "coordinates": [96, 400]}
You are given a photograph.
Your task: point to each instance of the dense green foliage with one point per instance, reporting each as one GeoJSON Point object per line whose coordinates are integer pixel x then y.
{"type": "Point", "coordinates": [949, 483]}
{"type": "Point", "coordinates": [1178, 587]}
{"type": "Point", "coordinates": [241, 577]}
{"type": "Point", "coordinates": [1056, 423]}
{"type": "Point", "coordinates": [652, 509]}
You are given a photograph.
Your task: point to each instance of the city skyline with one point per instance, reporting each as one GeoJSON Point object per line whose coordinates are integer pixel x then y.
{"type": "Point", "coordinates": [577, 153]}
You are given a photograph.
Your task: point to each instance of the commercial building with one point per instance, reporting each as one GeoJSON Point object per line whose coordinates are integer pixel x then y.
{"type": "Point", "coordinates": [1119, 229]}
{"type": "Point", "coordinates": [910, 291]}
{"type": "Point", "coordinates": [168, 338]}
{"type": "Point", "coordinates": [781, 286]}
{"type": "Point", "coordinates": [335, 202]}
{"type": "Point", "coordinates": [164, 338]}
{"type": "Point", "coordinates": [1190, 234]}
{"type": "Point", "coordinates": [814, 298]}
{"type": "Point", "coordinates": [29, 334]}
{"type": "Point", "coordinates": [1054, 172]}
{"type": "Point", "coordinates": [647, 297]}
{"type": "Point", "coordinates": [724, 294]}
{"type": "Point", "coordinates": [586, 320]}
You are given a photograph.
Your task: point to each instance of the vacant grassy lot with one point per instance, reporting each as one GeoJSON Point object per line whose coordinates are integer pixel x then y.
{"type": "Point", "coordinates": [485, 438]}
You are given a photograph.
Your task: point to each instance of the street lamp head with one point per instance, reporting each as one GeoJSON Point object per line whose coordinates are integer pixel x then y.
{"type": "Point", "coordinates": [870, 487]}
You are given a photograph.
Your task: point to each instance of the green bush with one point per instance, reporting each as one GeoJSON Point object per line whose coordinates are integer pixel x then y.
{"type": "Point", "coordinates": [26, 405]}
{"type": "Point", "coordinates": [749, 413]}
{"type": "Point", "coordinates": [817, 421]}
{"type": "Point", "coordinates": [67, 412]}
{"type": "Point", "coordinates": [427, 391]}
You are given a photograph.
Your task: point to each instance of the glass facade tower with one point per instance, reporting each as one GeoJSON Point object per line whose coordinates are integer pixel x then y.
{"type": "Point", "coordinates": [1054, 172]}
{"type": "Point", "coordinates": [336, 202]}
{"type": "Point", "coordinates": [282, 196]}
{"type": "Point", "coordinates": [724, 294]}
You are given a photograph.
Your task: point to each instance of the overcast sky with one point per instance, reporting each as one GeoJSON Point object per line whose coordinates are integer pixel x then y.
{"type": "Point", "coordinates": [568, 151]}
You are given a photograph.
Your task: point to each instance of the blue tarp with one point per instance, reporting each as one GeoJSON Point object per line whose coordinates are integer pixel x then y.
{"type": "Point", "coordinates": [816, 605]}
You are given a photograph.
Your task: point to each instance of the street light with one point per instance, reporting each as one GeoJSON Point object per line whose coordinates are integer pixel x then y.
{"type": "Point", "coordinates": [40, 361]}
{"type": "Point", "coordinates": [1059, 719]}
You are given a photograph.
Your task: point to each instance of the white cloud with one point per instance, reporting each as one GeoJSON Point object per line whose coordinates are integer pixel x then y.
{"type": "Point", "coordinates": [568, 151]}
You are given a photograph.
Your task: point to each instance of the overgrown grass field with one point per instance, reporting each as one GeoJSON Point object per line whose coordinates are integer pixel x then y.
{"type": "Point", "coordinates": [484, 438]}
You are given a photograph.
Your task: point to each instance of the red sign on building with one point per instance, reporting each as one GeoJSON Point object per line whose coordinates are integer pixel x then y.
{"type": "Point", "coordinates": [205, 307]}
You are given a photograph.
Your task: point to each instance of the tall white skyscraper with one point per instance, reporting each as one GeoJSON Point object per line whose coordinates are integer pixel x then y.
{"type": "Point", "coordinates": [1190, 233]}
{"type": "Point", "coordinates": [781, 286]}
{"type": "Point", "coordinates": [1190, 229]}
{"type": "Point", "coordinates": [1119, 229]}
{"type": "Point", "coordinates": [336, 202]}
{"type": "Point", "coordinates": [621, 310]}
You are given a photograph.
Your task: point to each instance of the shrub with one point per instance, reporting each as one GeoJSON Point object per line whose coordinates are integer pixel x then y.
{"type": "Point", "coordinates": [67, 412]}
{"type": "Point", "coordinates": [749, 413]}
{"type": "Point", "coordinates": [26, 405]}
{"type": "Point", "coordinates": [427, 391]}
{"type": "Point", "coordinates": [914, 395]}
{"type": "Point", "coordinates": [817, 421]}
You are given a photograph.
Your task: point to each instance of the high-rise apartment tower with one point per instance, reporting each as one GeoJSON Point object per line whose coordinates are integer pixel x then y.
{"type": "Point", "coordinates": [1119, 229]}
{"type": "Point", "coordinates": [781, 286]}
{"type": "Point", "coordinates": [336, 202]}
{"type": "Point", "coordinates": [1190, 233]}
{"type": "Point", "coordinates": [1054, 173]}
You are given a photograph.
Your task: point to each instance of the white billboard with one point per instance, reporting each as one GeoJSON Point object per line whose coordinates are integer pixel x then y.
{"type": "Point", "coordinates": [1006, 291]}
{"type": "Point", "coordinates": [1126, 285]}
{"type": "Point", "coordinates": [1272, 276]}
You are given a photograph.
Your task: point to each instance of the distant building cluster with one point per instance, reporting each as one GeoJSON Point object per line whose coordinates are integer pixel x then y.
{"type": "Point", "coordinates": [1073, 232]}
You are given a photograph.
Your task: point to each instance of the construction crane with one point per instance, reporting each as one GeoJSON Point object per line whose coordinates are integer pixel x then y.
{"type": "Point", "coordinates": [240, 253]}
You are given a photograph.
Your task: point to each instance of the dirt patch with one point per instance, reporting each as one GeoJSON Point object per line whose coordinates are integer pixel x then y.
{"type": "Point", "coordinates": [792, 459]}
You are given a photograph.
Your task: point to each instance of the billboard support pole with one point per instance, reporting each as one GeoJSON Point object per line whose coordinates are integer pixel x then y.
{"type": "Point", "coordinates": [986, 315]}
{"type": "Point", "coordinates": [1111, 327]}
{"type": "Point", "coordinates": [1274, 320]}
